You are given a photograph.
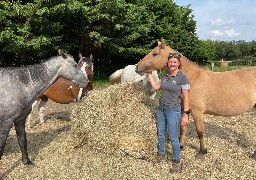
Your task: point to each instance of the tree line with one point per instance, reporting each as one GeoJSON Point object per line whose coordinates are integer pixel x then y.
{"type": "Point", "coordinates": [115, 32]}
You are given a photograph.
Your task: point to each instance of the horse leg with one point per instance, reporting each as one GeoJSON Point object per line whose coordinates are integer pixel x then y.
{"type": "Point", "coordinates": [183, 131]}
{"type": "Point", "coordinates": [22, 140]}
{"type": "Point", "coordinates": [198, 118]}
{"type": "Point", "coordinates": [254, 155]}
{"type": "Point", "coordinates": [79, 96]}
{"type": "Point", "coordinates": [4, 131]}
{"type": "Point", "coordinates": [41, 108]}
{"type": "Point", "coordinates": [29, 116]}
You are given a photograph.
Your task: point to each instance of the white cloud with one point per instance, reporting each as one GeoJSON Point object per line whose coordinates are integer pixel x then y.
{"type": "Point", "coordinates": [220, 22]}
{"type": "Point", "coordinates": [224, 19]}
{"type": "Point", "coordinates": [226, 33]}
{"type": "Point", "coordinates": [215, 33]}
{"type": "Point", "coordinates": [231, 33]}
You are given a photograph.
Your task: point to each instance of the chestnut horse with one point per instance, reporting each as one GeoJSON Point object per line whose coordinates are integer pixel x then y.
{"type": "Point", "coordinates": [64, 91]}
{"type": "Point", "coordinates": [216, 93]}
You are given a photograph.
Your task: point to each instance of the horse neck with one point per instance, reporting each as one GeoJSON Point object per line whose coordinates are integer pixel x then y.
{"type": "Point", "coordinates": [90, 77]}
{"type": "Point", "coordinates": [189, 68]}
{"type": "Point", "coordinates": [46, 74]}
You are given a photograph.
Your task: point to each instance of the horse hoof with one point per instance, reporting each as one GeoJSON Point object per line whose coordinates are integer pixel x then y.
{"type": "Point", "coordinates": [181, 147]}
{"type": "Point", "coordinates": [254, 155]}
{"type": "Point", "coordinates": [41, 122]}
{"type": "Point", "coordinates": [29, 164]}
{"type": "Point", "coordinates": [201, 153]}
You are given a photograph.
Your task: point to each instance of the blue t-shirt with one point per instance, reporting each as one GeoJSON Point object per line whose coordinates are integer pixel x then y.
{"type": "Point", "coordinates": [172, 88]}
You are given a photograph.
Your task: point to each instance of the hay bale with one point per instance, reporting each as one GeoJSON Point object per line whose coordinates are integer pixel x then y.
{"type": "Point", "coordinates": [119, 119]}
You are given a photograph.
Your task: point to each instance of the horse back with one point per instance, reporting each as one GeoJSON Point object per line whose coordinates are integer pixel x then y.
{"type": "Point", "coordinates": [129, 74]}
{"type": "Point", "coordinates": [115, 78]}
{"type": "Point", "coordinates": [215, 93]}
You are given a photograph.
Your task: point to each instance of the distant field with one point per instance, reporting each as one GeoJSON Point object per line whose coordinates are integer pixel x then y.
{"type": "Point", "coordinates": [104, 83]}
{"type": "Point", "coordinates": [229, 68]}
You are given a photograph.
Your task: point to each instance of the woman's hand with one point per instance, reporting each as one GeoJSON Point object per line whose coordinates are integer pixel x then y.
{"type": "Point", "coordinates": [155, 85]}
{"type": "Point", "coordinates": [184, 119]}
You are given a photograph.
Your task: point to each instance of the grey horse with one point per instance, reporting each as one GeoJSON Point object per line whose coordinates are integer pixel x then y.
{"type": "Point", "coordinates": [21, 86]}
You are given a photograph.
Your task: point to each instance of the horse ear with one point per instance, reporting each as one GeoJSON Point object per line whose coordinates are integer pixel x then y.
{"type": "Point", "coordinates": [80, 56]}
{"type": "Point", "coordinates": [61, 53]}
{"type": "Point", "coordinates": [162, 43]}
{"type": "Point", "coordinates": [162, 40]}
{"type": "Point", "coordinates": [91, 57]}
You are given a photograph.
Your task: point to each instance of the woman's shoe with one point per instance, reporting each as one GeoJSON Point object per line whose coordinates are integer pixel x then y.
{"type": "Point", "coordinates": [159, 159]}
{"type": "Point", "coordinates": [175, 166]}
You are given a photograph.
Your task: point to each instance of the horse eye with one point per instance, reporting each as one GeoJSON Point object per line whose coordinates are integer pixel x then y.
{"type": "Point", "coordinates": [154, 54]}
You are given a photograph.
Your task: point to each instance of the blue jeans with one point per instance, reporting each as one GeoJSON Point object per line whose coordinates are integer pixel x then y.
{"type": "Point", "coordinates": [168, 118]}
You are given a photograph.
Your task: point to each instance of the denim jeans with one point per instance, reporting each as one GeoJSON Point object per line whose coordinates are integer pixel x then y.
{"type": "Point", "coordinates": [168, 118]}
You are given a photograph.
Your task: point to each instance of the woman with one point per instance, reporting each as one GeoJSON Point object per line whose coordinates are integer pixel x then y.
{"type": "Point", "coordinates": [169, 115]}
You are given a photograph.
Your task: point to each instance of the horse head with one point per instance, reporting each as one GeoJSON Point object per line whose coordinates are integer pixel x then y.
{"type": "Point", "coordinates": [70, 70]}
{"type": "Point", "coordinates": [156, 59]}
{"type": "Point", "coordinates": [86, 65]}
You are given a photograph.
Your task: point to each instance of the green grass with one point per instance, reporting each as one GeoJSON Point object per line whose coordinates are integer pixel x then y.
{"type": "Point", "coordinates": [100, 83]}
{"type": "Point", "coordinates": [229, 68]}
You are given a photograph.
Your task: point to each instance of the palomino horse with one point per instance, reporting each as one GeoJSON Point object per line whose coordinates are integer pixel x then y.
{"type": "Point", "coordinates": [216, 93]}
{"type": "Point", "coordinates": [21, 86]}
{"type": "Point", "coordinates": [64, 91]}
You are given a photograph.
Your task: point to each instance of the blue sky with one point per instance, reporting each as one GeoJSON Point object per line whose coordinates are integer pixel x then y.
{"type": "Point", "coordinates": [225, 20]}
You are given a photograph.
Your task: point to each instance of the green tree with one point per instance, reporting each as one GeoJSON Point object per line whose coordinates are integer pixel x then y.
{"type": "Point", "coordinates": [34, 30]}
{"type": "Point", "coordinates": [118, 28]}
{"type": "Point", "coordinates": [203, 52]}
{"type": "Point", "coordinates": [125, 31]}
{"type": "Point", "coordinates": [116, 32]}
{"type": "Point", "coordinates": [15, 36]}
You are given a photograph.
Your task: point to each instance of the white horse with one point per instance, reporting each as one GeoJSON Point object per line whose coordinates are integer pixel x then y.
{"type": "Point", "coordinates": [128, 74]}
{"type": "Point", "coordinates": [115, 78]}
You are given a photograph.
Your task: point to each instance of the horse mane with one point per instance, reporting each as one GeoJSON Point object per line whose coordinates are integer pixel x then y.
{"type": "Point", "coordinates": [162, 44]}
{"type": "Point", "coordinates": [184, 58]}
{"type": "Point", "coordinates": [24, 73]}
{"type": "Point", "coordinates": [194, 63]}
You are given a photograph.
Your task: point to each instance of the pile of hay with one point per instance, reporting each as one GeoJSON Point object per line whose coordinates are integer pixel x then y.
{"type": "Point", "coordinates": [112, 135]}
{"type": "Point", "coordinates": [120, 119]}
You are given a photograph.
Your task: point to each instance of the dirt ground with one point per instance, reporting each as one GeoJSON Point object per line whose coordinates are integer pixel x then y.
{"type": "Point", "coordinates": [230, 144]}
{"type": "Point", "coordinates": [53, 111]}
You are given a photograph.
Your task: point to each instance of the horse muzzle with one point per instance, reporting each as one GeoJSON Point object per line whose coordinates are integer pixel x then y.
{"type": "Point", "coordinates": [138, 70]}
{"type": "Point", "coordinates": [81, 80]}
